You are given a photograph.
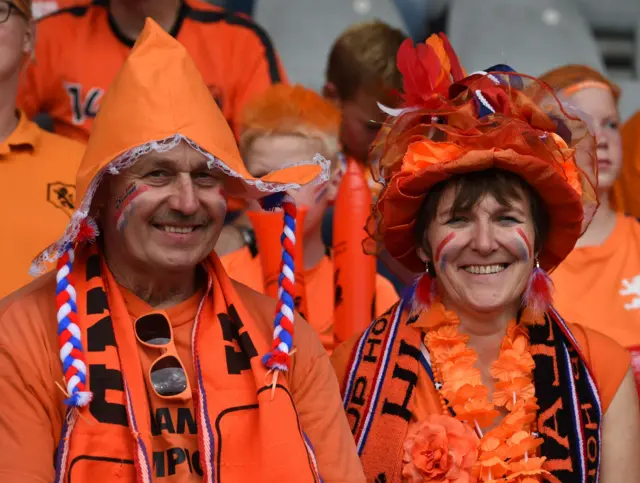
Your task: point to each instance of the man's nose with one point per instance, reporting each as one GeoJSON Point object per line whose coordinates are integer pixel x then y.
{"type": "Point", "coordinates": [184, 197]}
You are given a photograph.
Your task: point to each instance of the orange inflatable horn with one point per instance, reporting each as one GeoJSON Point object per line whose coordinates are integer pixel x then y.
{"type": "Point", "coordinates": [268, 226]}
{"type": "Point", "coordinates": [354, 271]}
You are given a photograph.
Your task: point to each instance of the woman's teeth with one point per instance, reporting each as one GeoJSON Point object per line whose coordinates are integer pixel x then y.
{"type": "Point", "coordinates": [484, 269]}
{"type": "Point", "coordinates": [177, 229]}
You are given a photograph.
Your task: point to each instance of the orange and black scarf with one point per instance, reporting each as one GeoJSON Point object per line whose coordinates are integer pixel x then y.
{"type": "Point", "coordinates": [382, 375]}
{"type": "Point", "coordinates": [112, 437]}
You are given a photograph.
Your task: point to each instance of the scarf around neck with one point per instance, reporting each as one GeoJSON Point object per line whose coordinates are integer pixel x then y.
{"type": "Point", "coordinates": [379, 395]}
{"type": "Point", "coordinates": [242, 430]}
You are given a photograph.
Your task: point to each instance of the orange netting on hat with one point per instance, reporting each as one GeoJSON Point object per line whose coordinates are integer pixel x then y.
{"type": "Point", "coordinates": [483, 121]}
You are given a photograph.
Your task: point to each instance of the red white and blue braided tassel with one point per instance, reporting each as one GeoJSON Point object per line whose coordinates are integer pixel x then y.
{"type": "Point", "coordinates": [69, 334]}
{"type": "Point", "coordinates": [279, 358]}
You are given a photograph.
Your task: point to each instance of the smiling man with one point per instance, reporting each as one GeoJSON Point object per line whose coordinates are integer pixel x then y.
{"type": "Point", "coordinates": [167, 363]}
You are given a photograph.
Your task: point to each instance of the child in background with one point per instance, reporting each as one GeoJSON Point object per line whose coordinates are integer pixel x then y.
{"type": "Point", "coordinates": [288, 125]}
{"type": "Point", "coordinates": [598, 284]}
{"type": "Point", "coordinates": [361, 72]}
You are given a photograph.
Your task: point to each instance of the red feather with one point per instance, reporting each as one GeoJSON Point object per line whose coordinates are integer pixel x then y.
{"type": "Point", "coordinates": [539, 293]}
{"type": "Point", "coordinates": [426, 69]}
{"type": "Point", "coordinates": [457, 71]}
{"type": "Point", "coordinates": [425, 292]}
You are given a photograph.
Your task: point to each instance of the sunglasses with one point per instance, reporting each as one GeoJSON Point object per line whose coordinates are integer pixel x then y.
{"type": "Point", "coordinates": [167, 374]}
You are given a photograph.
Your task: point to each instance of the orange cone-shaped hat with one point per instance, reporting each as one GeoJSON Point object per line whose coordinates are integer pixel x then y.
{"type": "Point", "coordinates": [158, 100]}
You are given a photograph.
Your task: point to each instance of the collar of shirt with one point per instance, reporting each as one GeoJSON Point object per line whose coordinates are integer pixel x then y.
{"type": "Point", "coordinates": [25, 135]}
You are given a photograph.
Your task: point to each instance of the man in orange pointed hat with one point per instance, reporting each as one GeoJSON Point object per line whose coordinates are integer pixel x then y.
{"type": "Point", "coordinates": [140, 359]}
{"type": "Point", "coordinates": [37, 168]}
{"type": "Point", "coordinates": [81, 47]}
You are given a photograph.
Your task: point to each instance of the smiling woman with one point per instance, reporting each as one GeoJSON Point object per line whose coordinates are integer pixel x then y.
{"type": "Point", "coordinates": [484, 191]}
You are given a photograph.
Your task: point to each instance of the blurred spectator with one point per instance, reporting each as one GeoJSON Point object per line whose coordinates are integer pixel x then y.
{"type": "Point", "coordinates": [289, 125]}
{"type": "Point", "coordinates": [304, 49]}
{"type": "Point", "coordinates": [627, 188]}
{"type": "Point", "coordinates": [598, 284]}
{"type": "Point", "coordinates": [80, 50]}
{"type": "Point", "coordinates": [361, 71]}
{"type": "Point", "coordinates": [37, 169]}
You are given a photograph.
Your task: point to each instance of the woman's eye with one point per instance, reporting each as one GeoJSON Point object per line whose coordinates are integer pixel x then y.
{"type": "Point", "coordinates": [508, 220]}
{"type": "Point", "coordinates": [456, 220]}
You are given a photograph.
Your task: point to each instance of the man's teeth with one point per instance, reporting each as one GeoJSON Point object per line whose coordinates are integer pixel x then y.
{"type": "Point", "coordinates": [177, 229]}
{"type": "Point", "coordinates": [484, 269]}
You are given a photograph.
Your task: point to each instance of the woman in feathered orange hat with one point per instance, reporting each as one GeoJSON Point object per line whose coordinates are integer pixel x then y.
{"type": "Point", "coordinates": [598, 284]}
{"type": "Point", "coordinates": [473, 375]}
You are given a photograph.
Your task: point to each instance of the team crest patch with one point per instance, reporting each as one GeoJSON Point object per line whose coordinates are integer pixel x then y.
{"type": "Point", "coordinates": [62, 196]}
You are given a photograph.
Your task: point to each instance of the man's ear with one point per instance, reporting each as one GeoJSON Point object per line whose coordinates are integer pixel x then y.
{"type": "Point", "coordinates": [330, 92]}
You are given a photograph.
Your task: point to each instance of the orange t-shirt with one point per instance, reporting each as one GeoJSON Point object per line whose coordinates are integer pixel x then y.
{"type": "Point", "coordinates": [626, 191]}
{"type": "Point", "coordinates": [40, 8]}
{"type": "Point", "coordinates": [37, 181]}
{"type": "Point", "coordinates": [79, 51]}
{"type": "Point", "coordinates": [247, 269]}
{"type": "Point", "coordinates": [599, 286]}
{"type": "Point", "coordinates": [33, 410]}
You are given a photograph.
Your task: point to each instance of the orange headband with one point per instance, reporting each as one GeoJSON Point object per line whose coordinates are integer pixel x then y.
{"type": "Point", "coordinates": [586, 84]}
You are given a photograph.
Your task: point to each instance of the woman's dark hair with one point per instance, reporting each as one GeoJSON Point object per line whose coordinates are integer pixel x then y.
{"type": "Point", "coordinates": [471, 188]}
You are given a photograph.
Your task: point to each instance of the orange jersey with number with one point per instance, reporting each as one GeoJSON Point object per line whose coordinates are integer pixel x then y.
{"type": "Point", "coordinates": [80, 49]}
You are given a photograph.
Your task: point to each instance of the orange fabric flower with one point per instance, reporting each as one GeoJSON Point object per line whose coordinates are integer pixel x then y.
{"type": "Point", "coordinates": [458, 353]}
{"type": "Point", "coordinates": [522, 442]}
{"type": "Point", "coordinates": [425, 153]}
{"type": "Point", "coordinates": [520, 389]}
{"type": "Point", "coordinates": [492, 466]}
{"type": "Point", "coordinates": [514, 361]}
{"type": "Point", "coordinates": [440, 448]}
{"type": "Point", "coordinates": [457, 377]}
{"type": "Point", "coordinates": [468, 392]}
{"type": "Point", "coordinates": [522, 414]}
{"type": "Point", "coordinates": [531, 467]}
{"type": "Point", "coordinates": [436, 317]}
{"type": "Point", "coordinates": [479, 410]}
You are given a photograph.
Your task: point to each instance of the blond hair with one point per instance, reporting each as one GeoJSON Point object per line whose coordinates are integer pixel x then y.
{"type": "Point", "coordinates": [364, 57]}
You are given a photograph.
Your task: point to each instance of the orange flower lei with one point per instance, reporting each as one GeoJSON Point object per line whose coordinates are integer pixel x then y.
{"type": "Point", "coordinates": [507, 452]}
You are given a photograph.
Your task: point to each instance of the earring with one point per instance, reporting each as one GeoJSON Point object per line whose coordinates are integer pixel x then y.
{"type": "Point", "coordinates": [422, 292]}
{"type": "Point", "coordinates": [538, 296]}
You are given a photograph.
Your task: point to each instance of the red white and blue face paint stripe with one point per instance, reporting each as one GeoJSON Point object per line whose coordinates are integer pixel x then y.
{"type": "Point", "coordinates": [125, 205]}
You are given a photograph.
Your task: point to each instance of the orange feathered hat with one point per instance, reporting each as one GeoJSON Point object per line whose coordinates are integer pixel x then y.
{"type": "Point", "coordinates": [452, 124]}
{"type": "Point", "coordinates": [158, 100]}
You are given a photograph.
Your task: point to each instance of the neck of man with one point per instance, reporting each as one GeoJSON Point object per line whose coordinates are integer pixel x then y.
{"type": "Point", "coordinates": [602, 224]}
{"type": "Point", "coordinates": [130, 16]}
{"type": "Point", "coordinates": [161, 290]}
{"type": "Point", "coordinates": [8, 113]}
{"type": "Point", "coordinates": [314, 248]}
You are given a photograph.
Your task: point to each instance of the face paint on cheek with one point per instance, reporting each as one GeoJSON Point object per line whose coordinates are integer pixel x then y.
{"type": "Point", "coordinates": [525, 253]}
{"type": "Point", "coordinates": [442, 244]}
{"type": "Point", "coordinates": [124, 205]}
{"type": "Point", "coordinates": [320, 192]}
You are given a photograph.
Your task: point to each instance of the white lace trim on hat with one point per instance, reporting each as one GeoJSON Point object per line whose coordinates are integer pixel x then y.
{"type": "Point", "coordinates": [54, 251]}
